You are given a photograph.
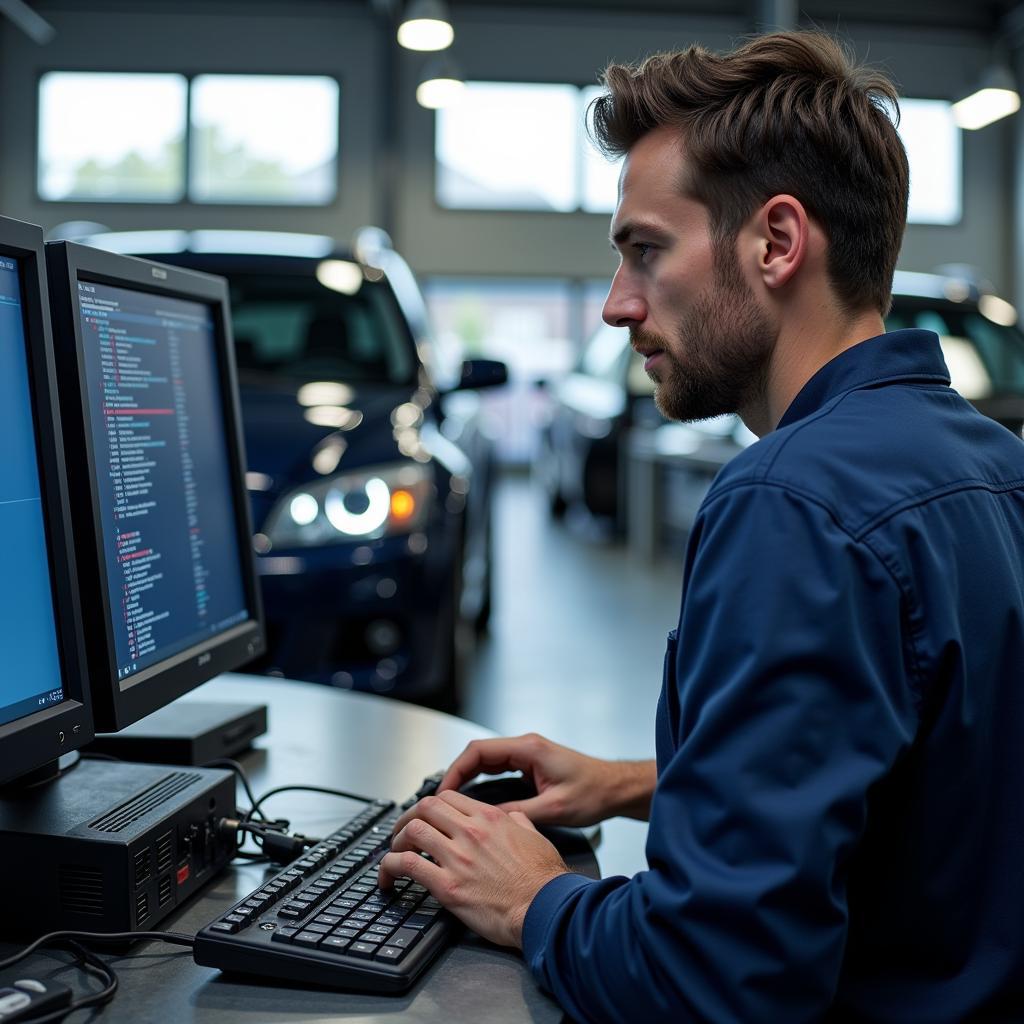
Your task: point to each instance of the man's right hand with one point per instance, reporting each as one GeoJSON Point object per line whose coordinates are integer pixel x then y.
{"type": "Point", "coordinates": [572, 788]}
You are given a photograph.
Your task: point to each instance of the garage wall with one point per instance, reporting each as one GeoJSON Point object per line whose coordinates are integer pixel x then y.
{"type": "Point", "coordinates": [190, 38]}
{"type": "Point", "coordinates": [347, 41]}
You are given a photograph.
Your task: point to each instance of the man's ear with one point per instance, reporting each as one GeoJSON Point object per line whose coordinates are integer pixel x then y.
{"type": "Point", "coordinates": [783, 229]}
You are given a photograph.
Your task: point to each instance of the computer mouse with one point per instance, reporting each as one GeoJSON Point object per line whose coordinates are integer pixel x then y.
{"type": "Point", "coordinates": [501, 790]}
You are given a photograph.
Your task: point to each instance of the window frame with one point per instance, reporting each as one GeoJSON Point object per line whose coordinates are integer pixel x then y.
{"type": "Point", "coordinates": [186, 199]}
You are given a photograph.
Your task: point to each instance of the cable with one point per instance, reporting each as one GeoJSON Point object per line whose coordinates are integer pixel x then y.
{"type": "Point", "coordinates": [90, 962]}
{"type": "Point", "coordinates": [305, 789]}
{"type": "Point", "coordinates": [174, 938]}
{"type": "Point", "coordinates": [227, 762]}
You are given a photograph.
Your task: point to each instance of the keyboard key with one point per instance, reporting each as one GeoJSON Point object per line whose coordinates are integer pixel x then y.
{"type": "Point", "coordinates": [284, 934]}
{"type": "Point", "coordinates": [335, 944]}
{"type": "Point", "coordinates": [362, 949]}
{"type": "Point", "coordinates": [390, 953]}
{"type": "Point", "coordinates": [404, 938]}
{"type": "Point", "coordinates": [227, 927]}
{"type": "Point", "coordinates": [307, 938]}
{"type": "Point", "coordinates": [331, 919]}
{"type": "Point", "coordinates": [238, 918]}
{"type": "Point", "coordinates": [374, 940]}
{"type": "Point", "coordinates": [392, 920]}
{"type": "Point", "coordinates": [323, 929]}
{"type": "Point", "coordinates": [346, 933]}
{"type": "Point", "coordinates": [418, 921]}
{"type": "Point", "coordinates": [345, 904]}
{"type": "Point", "coordinates": [361, 915]}
{"type": "Point", "coordinates": [380, 929]}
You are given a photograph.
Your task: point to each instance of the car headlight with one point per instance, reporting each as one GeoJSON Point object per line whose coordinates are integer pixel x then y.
{"type": "Point", "coordinates": [374, 502]}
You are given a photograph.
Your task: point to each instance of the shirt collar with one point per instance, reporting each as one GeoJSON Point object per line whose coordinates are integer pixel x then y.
{"type": "Point", "coordinates": [897, 357]}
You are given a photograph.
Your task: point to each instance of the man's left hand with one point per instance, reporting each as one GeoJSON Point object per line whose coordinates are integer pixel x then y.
{"type": "Point", "coordinates": [487, 865]}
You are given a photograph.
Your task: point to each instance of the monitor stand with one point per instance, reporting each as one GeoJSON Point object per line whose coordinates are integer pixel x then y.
{"type": "Point", "coordinates": [186, 732]}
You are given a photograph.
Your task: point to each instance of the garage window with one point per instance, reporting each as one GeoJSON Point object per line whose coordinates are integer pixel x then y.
{"type": "Point", "coordinates": [264, 139]}
{"type": "Point", "coordinates": [112, 137]}
{"type": "Point", "coordinates": [123, 137]}
{"type": "Point", "coordinates": [517, 146]}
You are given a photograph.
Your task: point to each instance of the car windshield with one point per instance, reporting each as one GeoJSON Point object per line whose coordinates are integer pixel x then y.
{"type": "Point", "coordinates": [294, 327]}
{"type": "Point", "coordinates": [984, 358]}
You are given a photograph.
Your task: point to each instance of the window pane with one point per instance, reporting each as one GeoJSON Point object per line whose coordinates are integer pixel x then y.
{"type": "Point", "coordinates": [111, 137]}
{"type": "Point", "coordinates": [932, 140]}
{"type": "Point", "coordinates": [264, 139]}
{"type": "Point", "coordinates": [600, 175]}
{"type": "Point", "coordinates": [508, 146]}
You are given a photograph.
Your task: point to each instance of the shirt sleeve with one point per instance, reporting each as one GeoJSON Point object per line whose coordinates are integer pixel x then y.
{"type": "Point", "coordinates": [791, 697]}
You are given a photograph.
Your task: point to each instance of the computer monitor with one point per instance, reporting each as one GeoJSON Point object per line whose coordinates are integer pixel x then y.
{"type": "Point", "coordinates": [156, 472]}
{"type": "Point", "coordinates": [44, 697]}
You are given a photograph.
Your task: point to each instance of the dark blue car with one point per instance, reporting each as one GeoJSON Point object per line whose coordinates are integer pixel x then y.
{"type": "Point", "coordinates": [368, 477]}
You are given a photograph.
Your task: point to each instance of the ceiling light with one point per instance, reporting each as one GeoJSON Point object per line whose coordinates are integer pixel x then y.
{"type": "Point", "coordinates": [440, 85]}
{"type": "Point", "coordinates": [995, 97]}
{"type": "Point", "coordinates": [426, 26]}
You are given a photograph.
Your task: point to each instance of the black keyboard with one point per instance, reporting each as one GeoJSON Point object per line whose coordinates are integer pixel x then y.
{"type": "Point", "coordinates": [323, 921]}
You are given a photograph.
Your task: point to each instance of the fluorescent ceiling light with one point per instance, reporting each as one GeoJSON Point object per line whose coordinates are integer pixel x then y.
{"type": "Point", "coordinates": [426, 26]}
{"type": "Point", "coordinates": [995, 98]}
{"type": "Point", "coordinates": [440, 85]}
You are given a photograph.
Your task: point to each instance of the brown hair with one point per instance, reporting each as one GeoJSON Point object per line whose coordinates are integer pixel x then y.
{"type": "Point", "coordinates": [786, 113]}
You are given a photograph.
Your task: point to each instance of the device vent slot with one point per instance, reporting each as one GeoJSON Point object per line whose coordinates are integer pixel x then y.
{"type": "Point", "coordinates": [166, 892]}
{"type": "Point", "coordinates": [164, 852]}
{"type": "Point", "coordinates": [141, 907]}
{"type": "Point", "coordinates": [123, 815]}
{"type": "Point", "coordinates": [81, 889]}
{"type": "Point", "coordinates": [142, 871]}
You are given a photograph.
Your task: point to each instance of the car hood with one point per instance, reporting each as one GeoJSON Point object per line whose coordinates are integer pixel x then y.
{"type": "Point", "coordinates": [281, 442]}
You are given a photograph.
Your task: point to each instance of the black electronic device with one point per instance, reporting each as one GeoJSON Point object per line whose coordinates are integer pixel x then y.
{"type": "Point", "coordinates": [112, 847]}
{"type": "Point", "coordinates": [187, 732]}
{"type": "Point", "coordinates": [44, 697]}
{"type": "Point", "coordinates": [156, 472]}
{"type": "Point", "coordinates": [323, 921]}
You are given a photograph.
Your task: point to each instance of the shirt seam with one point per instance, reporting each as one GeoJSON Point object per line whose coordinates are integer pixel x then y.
{"type": "Point", "coordinates": [862, 540]}
{"type": "Point", "coordinates": [947, 489]}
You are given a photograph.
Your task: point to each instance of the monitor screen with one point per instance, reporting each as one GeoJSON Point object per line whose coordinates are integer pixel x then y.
{"type": "Point", "coordinates": [162, 474]}
{"type": "Point", "coordinates": [31, 677]}
{"type": "Point", "coordinates": [156, 474]}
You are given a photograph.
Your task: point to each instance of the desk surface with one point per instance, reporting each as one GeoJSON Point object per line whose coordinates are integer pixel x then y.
{"type": "Point", "coordinates": [364, 744]}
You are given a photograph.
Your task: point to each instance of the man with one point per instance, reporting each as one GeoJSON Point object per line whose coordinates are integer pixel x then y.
{"type": "Point", "coordinates": [837, 810]}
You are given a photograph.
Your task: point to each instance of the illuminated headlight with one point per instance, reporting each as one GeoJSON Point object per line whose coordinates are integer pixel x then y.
{"type": "Point", "coordinates": [375, 502]}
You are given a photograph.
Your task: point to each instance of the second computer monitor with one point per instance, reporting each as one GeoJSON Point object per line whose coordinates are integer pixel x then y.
{"type": "Point", "coordinates": [156, 470]}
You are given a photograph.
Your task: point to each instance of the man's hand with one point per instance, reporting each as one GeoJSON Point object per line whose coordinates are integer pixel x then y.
{"type": "Point", "coordinates": [572, 788]}
{"type": "Point", "coordinates": [487, 865]}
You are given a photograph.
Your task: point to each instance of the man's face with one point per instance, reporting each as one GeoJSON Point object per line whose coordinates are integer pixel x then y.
{"type": "Point", "coordinates": [690, 312]}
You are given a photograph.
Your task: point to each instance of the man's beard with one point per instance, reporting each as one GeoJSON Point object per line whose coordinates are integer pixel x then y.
{"type": "Point", "coordinates": [727, 343]}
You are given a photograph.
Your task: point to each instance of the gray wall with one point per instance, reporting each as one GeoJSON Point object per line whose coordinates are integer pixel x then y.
{"type": "Point", "coordinates": [346, 41]}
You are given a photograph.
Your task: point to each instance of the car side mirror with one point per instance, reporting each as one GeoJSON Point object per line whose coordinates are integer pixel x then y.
{"type": "Point", "coordinates": [482, 373]}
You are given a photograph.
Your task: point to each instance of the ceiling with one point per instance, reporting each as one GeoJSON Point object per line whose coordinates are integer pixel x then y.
{"type": "Point", "coordinates": [987, 16]}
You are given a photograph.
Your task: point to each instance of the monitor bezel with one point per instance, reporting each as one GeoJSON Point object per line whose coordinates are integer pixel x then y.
{"type": "Point", "coordinates": [32, 741]}
{"type": "Point", "coordinates": [115, 705]}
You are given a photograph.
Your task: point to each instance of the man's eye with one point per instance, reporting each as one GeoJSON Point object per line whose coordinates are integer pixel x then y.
{"type": "Point", "coordinates": [642, 249]}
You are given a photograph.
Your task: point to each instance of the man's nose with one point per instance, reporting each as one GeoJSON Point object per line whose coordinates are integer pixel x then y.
{"type": "Point", "coordinates": [624, 306]}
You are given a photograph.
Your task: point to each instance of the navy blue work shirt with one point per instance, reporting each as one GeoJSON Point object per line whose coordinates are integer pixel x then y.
{"type": "Point", "coordinates": [837, 831]}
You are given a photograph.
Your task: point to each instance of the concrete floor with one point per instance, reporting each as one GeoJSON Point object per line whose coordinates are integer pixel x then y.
{"type": "Point", "coordinates": [577, 639]}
